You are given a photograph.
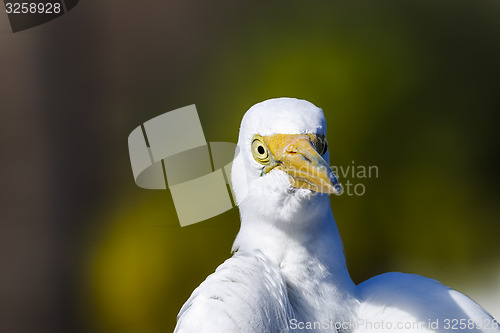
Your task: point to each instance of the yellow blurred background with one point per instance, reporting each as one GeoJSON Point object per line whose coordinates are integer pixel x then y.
{"type": "Point", "coordinates": [409, 87]}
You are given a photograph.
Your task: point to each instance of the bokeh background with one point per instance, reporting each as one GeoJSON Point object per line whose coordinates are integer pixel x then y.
{"type": "Point", "coordinates": [411, 87]}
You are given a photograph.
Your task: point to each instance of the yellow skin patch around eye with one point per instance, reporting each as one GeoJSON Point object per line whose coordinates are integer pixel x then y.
{"type": "Point", "coordinates": [298, 156]}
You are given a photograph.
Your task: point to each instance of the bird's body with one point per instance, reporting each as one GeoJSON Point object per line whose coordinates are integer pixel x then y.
{"type": "Point", "coordinates": [288, 273]}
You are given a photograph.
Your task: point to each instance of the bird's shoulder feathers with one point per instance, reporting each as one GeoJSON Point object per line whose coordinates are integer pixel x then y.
{"type": "Point", "coordinates": [245, 294]}
{"type": "Point", "coordinates": [416, 302]}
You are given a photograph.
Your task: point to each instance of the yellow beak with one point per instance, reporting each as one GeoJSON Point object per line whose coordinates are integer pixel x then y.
{"type": "Point", "coordinates": [296, 155]}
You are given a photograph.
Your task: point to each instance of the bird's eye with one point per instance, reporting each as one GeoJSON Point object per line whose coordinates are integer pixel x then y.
{"type": "Point", "coordinates": [259, 150]}
{"type": "Point", "coordinates": [322, 145]}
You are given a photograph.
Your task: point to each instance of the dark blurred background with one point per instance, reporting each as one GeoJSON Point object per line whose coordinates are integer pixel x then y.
{"type": "Point", "coordinates": [409, 87]}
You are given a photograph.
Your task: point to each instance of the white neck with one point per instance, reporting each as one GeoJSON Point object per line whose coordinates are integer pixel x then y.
{"type": "Point", "coordinates": [309, 254]}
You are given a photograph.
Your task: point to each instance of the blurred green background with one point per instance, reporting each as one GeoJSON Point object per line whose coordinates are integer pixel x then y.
{"type": "Point", "coordinates": [410, 87]}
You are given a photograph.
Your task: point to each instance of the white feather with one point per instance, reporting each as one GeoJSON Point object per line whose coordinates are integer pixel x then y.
{"type": "Point", "coordinates": [420, 304]}
{"type": "Point", "coordinates": [245, 294]}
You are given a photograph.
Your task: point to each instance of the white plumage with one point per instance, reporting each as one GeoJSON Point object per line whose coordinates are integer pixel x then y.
{"type": "Point", "coordinates": [288, 273]}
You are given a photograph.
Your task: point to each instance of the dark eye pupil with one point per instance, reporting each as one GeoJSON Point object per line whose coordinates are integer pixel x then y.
{"type": "Point", "coordinates": [261, 150]}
